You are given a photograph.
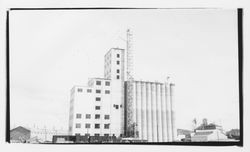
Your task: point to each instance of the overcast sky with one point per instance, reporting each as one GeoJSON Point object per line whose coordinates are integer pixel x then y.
{"type": "Point", "coordinates": [51, 51]}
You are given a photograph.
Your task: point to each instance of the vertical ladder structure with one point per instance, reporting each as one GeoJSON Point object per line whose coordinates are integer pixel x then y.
{"type": "Point", "coordinates": [131, 127]}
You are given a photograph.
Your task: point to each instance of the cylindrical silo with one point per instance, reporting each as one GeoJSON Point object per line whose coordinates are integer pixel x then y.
{"type": "Point", "coordinates": [169, 118]}
{"type": "Point", "coordinates": [149, 112]}
{"type": "Point", "coordinates": [144, 109]}
{"type": "Point", "coordinates": [174, 131]}
{"type": "Point", "coordinates": [139, 118]}
{"type": "Point", "coordinates": [159, 116]}
{"type": "Point", "coordinates": [134, 120]}
{"type": "Point", "coordinates": [164, 113]}
{"type": "Point", "coordinates": [154, 114]}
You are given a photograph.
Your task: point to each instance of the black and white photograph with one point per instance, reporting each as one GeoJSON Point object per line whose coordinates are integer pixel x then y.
{"type": "Point", "coordinates": [124, 76]}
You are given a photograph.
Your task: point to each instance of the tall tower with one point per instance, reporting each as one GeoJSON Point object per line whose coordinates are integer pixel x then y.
{"type": "Point", "coordinates": [131, 126]}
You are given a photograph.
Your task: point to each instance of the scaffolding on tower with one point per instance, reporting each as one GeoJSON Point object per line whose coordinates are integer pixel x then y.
{"type": "Point", "coordinates": [131, 130]}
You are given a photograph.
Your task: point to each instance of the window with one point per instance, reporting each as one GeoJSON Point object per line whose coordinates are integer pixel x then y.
{"type": "Point", "coordinates": [79, 90]}
{"type": "Point", "coordinates": [89, 90]}
{"type": "Point", "coordinates": [116, 106]}
{"type": "Point", "coordinates": [117, 77]}
{"type": "Point", "coordinates": [97, 99]}
{"type": "Point", "coordinates": [96, 134]}
{"type": "Point", "coordinates": [97, 116]}
{"type": "Point", "coordinates": [117, 71]}
{"type": "Point", "coordinates": [107, 92]}
{"type": "Point", "coordinates": [98, 91]}
{"type": "Point", "coordinates": [78, 115]}
{"type": "Point", "coordinates": [106, 126]}
{"type": "Point", "coordinates": [117, 62]}
{"type": "Point", "coordinates": [106, 135]}
{"type": "Point", "coordinates": [117, 55]}
{"type": "Point", "coordinates": [107, 83]}
{"type": "Point", "coordinates": [97, 107]}
{"type": "Point", "coordinates": [97, 126]}
{"type": "Point", "coordinates": [106, 116]}
{"type": "Point", "coordinates": [98, 82]}
{"type": "Point", "coordinates": [78, 125]}
{"type": "Point", "coordinates": [87, 125]}
{"type": "Point", "coordinates": [88, 116]}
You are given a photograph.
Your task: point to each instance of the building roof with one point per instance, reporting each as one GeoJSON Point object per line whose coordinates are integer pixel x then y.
{"type": "Point", "coordinates": [20, 129]}
{"type": "Point", "coordinates": [114, 49]}
{"type": "Point", "coordinates": [207, 127]}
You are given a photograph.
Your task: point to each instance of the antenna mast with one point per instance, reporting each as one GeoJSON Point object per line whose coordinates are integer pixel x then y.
{"type": "Point", "coordinates": [130, 79]}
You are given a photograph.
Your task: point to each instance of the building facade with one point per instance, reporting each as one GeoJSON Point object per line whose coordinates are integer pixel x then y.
{"type": "Point", "coordinates": [97, 109]}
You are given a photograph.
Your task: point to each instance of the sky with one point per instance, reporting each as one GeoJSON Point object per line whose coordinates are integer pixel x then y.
{"type": "Point", "coordinates": [51, 51]}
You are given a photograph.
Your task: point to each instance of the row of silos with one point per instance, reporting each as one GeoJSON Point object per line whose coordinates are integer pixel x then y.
{"type": "Point", "coordinates": [153, 111]}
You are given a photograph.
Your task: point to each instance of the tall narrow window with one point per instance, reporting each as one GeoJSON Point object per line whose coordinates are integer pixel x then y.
{"type": "Point", "coordinates": [117, 62]}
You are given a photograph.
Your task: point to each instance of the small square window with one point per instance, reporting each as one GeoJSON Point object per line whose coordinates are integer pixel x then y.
{"type": "Point", "coordinates": [106, 126]}
{"type": "Point", "coordinates": [97, 107]}
{"type": "Point", "coordinates": [79, 90]}
{"type": "Point", "coordinates": [107, 83]}
{"type": "Point", "coordinates": [97, 116]}
{"type": "Point", "coordinates": [87, 125]}
{"type": "Point", "coordinates": [88, 116]}
{"type": "Point", "coordinates": [97, 126]}
{"type": "Point", "coordinates": [117, 77]}
{"type": "Point", "coordinates": [78, 125]}
{"type": "Point", "coordinates": [106, 116]}
{"type": "Point", "coordinates": [107, 92]}
{"type": "Point", "coordinates": [97, 99]}
{"type": "Point", "coordinates": [117, 71]}
{"type": "Point", "coordinates": [78, 116]}
{"type": "Point", "coordinates": [117, 62]}
{"type": "Point", "coordinates": [98, 91]}
{"type": "Point", "coordinates": [98, 82]}
{"type": "Point", "coordinates": [89, 90]}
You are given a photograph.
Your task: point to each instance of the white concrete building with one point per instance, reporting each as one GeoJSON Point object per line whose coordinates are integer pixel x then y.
{"type": "Point", "coordinates": [97, 109]}
{"type": "Point", "coordinates": [101, 107]}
